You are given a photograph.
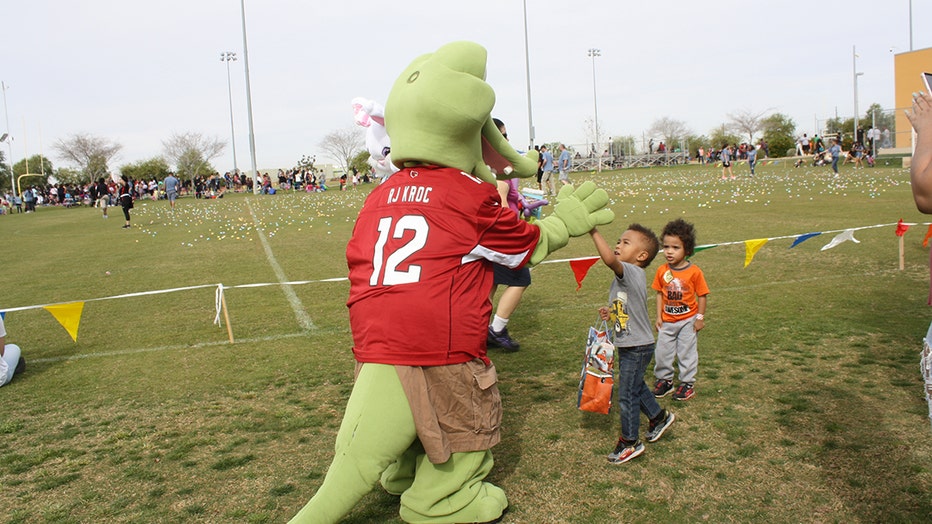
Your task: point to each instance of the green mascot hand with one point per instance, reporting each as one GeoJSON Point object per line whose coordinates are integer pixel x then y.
{"type": "Point", "coordinates": [577, 212]}
{"type": "Point", "coordinates": [583, 209]}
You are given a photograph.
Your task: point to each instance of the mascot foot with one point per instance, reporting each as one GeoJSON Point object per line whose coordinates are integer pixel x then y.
{"type": "Point", "coordinates": [488, 506]}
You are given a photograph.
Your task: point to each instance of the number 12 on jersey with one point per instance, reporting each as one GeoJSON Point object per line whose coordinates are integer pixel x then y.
{"type": "Point", "coordinates": [393, 260]}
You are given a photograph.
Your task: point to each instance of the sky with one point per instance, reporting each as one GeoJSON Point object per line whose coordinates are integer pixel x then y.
{"type": "Point", "coordinates": [136, 72]}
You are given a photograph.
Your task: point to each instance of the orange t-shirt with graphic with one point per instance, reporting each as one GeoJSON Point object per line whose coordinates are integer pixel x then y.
{"type": "Point", "coordinates": [678, 290]}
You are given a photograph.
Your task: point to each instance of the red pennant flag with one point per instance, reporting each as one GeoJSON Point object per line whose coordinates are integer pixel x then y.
{"type": "Point", "coordinates": [581, 267]}
{"type": "Point", "coordinates": [901, 228]}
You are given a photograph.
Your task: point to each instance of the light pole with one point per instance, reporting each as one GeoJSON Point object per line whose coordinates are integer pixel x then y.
{"type": "Point", "coordinates": [252, 134]}
{"type": "Point", "coordinates": [230, 56]}
{"type": "Point", "coordinates": [527, 75]}
{"type": "Point", "coordinates": [595, 103]}
{"type": "Point", "coordinates": [854, 70]}
{"type": "Point", "coordinates": [9, 140]}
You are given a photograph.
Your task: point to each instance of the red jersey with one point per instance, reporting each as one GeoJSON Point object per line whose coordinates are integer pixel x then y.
{"type": "Point", "coordinates": [418, 266]}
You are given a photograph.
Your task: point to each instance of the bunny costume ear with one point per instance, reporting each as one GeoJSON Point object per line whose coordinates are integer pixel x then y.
{"type": "Point", "coordinates": [366, 111]}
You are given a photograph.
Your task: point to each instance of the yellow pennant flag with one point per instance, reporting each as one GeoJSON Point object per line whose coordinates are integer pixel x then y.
{"type": "Point", "coordinates": [69, 316]}
{"type": "Point", "coordinates": [751, 247]}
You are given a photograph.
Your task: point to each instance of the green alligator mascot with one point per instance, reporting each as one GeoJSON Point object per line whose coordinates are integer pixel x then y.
{"type": "Point", "coordinates": [425, 408]}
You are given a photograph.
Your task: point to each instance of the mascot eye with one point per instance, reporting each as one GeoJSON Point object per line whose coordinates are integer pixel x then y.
{"type": "Point", "coordinates": [386, 151]}
{"type": "Point", "coordinates": [413, 77]}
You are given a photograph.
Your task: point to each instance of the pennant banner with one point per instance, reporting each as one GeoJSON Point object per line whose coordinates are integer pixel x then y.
{"type": "Point", "coordinates": [802, 238]}
{"type": "Point", "coordinates": [901, 228]}
{"type": "Point", "coordinates": [581, 268]}
{"type": "Point", "coordinates": [845, 235]}
{"type": "Point", "coordinates": [69, 316]}
{"type": "Point", "coordinates": [751, 247]}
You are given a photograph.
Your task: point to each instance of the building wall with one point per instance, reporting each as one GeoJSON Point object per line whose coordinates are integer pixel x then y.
{"type": "Point", "coordinates": [907, 70]}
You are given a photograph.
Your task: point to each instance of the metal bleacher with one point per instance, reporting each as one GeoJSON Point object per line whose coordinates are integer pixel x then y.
{"type": "Point", "coordinates": [623, 161]}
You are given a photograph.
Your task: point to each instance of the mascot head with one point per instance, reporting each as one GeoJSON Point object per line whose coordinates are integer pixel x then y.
{"type": "Point", "coordinates": [439, 112]}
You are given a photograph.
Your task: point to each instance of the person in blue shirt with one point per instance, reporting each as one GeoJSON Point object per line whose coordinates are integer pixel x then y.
{"type": "Point", "coordinates": [547, 178]}
{"type": "Point", "coordinates": [752, 157]}
{"type": "Point", "coordinates": [726, 162]}
{"type": "Point", "coordinates": [564, 164]}
{"type": "Point", "coordinates": [172, 185]}
{"type": "Point", "coordinates": [835, 151]}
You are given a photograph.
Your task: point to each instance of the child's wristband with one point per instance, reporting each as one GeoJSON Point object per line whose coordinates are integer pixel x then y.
{"type": "Point", "coordinates": [700, 316]}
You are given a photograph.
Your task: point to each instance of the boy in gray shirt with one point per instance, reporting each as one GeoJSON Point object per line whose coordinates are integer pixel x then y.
{"type": "Point", "coordinates": [633, 336]}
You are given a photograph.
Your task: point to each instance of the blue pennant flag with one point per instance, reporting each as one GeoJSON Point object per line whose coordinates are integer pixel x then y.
{"type": "Point", "coordinates": [802, 238]}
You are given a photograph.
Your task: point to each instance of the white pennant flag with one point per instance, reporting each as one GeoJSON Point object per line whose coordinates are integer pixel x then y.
{"type": "Point", "coordinates": [847, 234]}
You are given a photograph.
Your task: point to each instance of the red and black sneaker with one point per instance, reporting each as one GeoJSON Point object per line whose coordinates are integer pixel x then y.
{"type": "Point", "coordinates": [684, 392]}
{"type": "Point", "coordinates": [662, 387]}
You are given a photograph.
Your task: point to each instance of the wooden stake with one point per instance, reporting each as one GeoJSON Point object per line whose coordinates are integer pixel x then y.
{"type": "Point", "coordinates": [226, 315]}
{"type": "Point", "coordinates": [902, 256]}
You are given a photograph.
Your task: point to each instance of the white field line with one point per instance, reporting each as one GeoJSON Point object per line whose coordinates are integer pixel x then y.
{"type": "Point", "coordinates": [165, 348]}
{"type": "Point", "coordinates": [300, 314]}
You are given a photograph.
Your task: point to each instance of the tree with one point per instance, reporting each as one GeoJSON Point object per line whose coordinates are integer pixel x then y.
{"type": "Point", "coordinates": [343, 144]}
{"type": "Point", "coordinates": [66, 175]}
{"type": "Point", "coordinates": [745, 121]}
{"type": "Point", "coordinates": [191, 153]}
{"type": "Point", "coordinates": [623, 146]}
{"type": "Point", "coordinates": [4, 171]}
{"type": "Point", "coordinates": [722, 135]}
{"type": "Point", "coordinates": [38, 165]}
{"type": "Point", "coordinates": [877, 117]}
{"type": "Point", "coordinates": [155, 167]}
{"type": "Point", "coordinates": [844, 127]}
{"type": "Point", "coordinates": [89, 153]}
{"type": "Point", "coordinates": [780, 134]}
{"type": "Point", "coordinates": [360, 162]}
{"type": "Point", "coordinates": [589, 132]}
{"type": "Point", "coordinates": [669, 130]}
{"type": "Point", "coordinates": [306, 162]}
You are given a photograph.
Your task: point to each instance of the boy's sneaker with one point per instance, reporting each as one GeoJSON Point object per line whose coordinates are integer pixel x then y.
{"type": "Point", "coordinates": [684, 392]}
{"type": "Point", "coordinates": [20, 366]}
{"type": "Point", "coordinates": [502, 339]}
{"type": "Point", "coordinates": [662, 387]}
{"type": "Point", "coordinates": [625, 451]}
{"type": "Point", "coordinates": [655, 430]}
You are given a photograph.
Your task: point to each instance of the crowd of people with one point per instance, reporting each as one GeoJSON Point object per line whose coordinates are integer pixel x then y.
{"type": "Point", "coordinates": [203, 186]}
{"type": "Point", "coordinates": [742, 151]}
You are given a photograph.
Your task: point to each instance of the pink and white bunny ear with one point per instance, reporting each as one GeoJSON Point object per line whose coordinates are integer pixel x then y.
{"type": "Point", "coordinates": [361, 108]}
{"type": "Point", "coordinates": [367, 111]}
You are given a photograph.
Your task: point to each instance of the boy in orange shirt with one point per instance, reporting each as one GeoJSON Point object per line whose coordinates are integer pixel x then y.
{"type": "Point", "coordinates": [681, 302]}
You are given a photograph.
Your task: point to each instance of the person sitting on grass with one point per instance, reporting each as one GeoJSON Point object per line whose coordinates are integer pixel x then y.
{"type": "Point", "coordinates": [11, 359]}
{"type": "Point", "coordinates": [633, 336]}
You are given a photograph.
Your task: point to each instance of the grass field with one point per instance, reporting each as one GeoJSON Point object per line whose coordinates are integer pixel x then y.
{"type": "Point", "coordinates": [809, 403]}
